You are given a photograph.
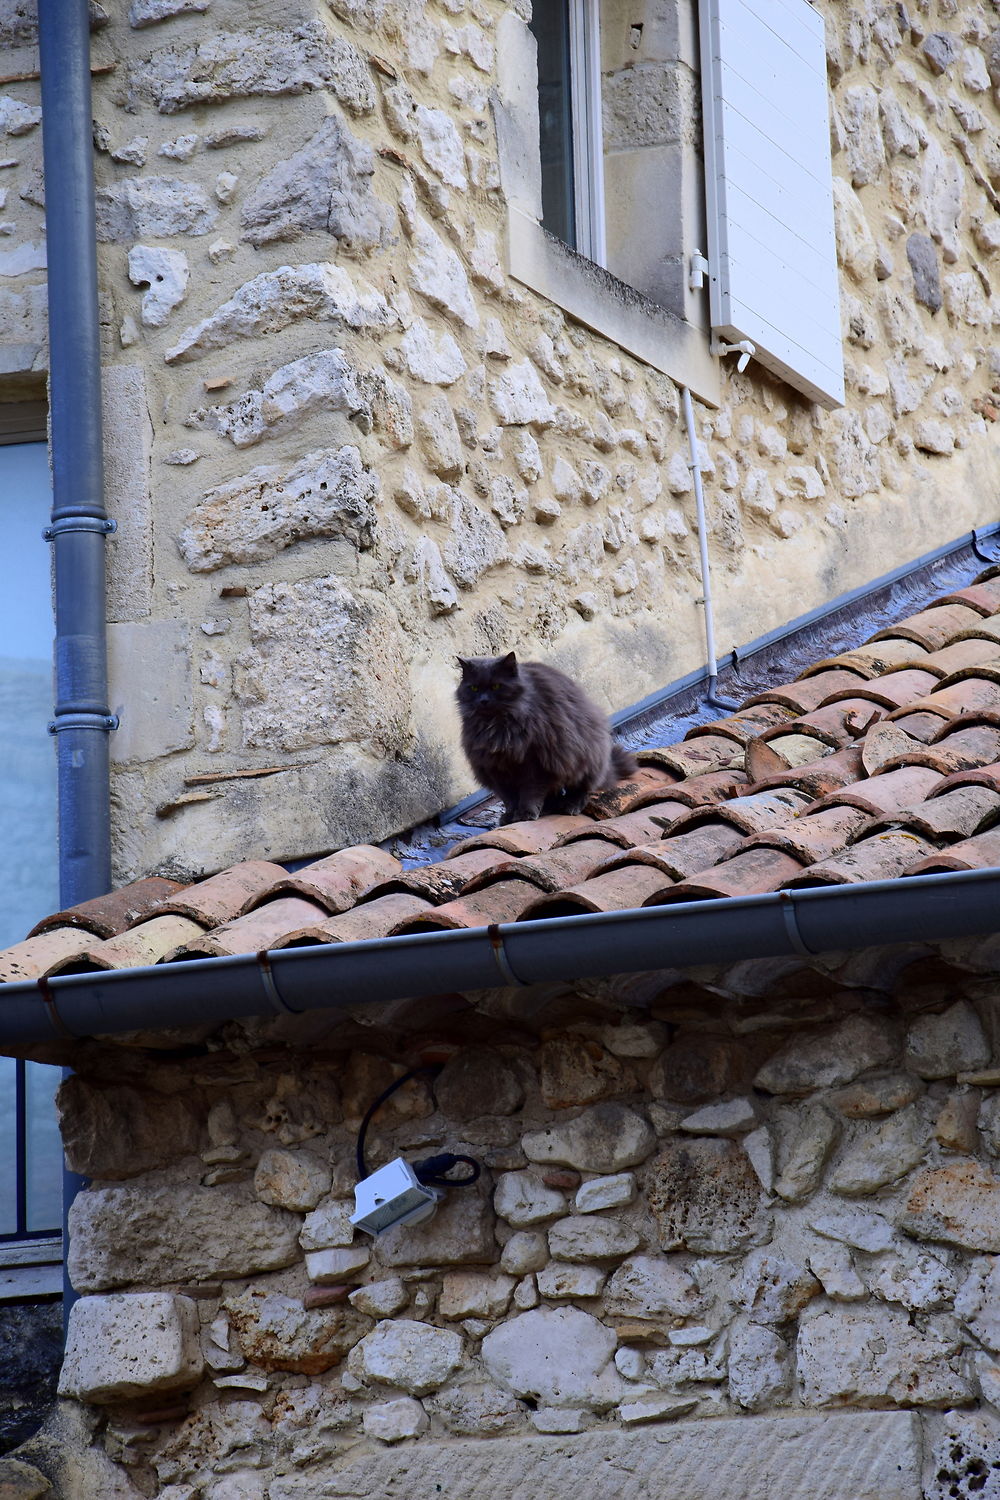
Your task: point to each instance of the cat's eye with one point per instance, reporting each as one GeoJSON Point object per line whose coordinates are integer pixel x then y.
{"type": "Point", "coordinates": [472, 687]}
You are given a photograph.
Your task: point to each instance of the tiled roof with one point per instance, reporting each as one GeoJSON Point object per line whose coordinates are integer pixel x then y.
{"type": "Point", "coordinates": [879, 763]}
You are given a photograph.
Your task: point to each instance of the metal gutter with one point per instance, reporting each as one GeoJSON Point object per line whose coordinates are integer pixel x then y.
{"type": "Point", "coordinates": [79, 523]}
{"type": "Point", "coordinates": [289, 981]}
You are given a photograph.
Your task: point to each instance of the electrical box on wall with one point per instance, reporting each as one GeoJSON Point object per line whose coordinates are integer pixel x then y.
{"type": "Point", "coordinates": [393, 1195]}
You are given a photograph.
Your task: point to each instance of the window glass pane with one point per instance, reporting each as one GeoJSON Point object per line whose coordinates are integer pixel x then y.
{"type": "Point", "coordinates": [8, 1134]}
{"type": "Point", "coordinates": [44, 1149]}
{"type": "Point", "coordinates": [550, 24]}
{"type": "Point", "coordinates": [29, 887]}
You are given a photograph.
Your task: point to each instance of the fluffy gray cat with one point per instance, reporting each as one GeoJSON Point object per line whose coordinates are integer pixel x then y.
{"type": "Point", "coordinates": [533, 736]}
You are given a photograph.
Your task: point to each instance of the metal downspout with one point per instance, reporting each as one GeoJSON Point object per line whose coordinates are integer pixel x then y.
{"type": "Point", "coordinates": [79, 523]}
{"type": "Point", "coordinates": [712, 697]}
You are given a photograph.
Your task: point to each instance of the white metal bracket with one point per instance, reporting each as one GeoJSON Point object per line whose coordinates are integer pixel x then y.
{"type": "Point", "coordinates": [745, 349]}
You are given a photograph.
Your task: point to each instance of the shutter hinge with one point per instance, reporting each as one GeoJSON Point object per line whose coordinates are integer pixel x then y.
{"type": "Point", "coordinates": [698, 269]}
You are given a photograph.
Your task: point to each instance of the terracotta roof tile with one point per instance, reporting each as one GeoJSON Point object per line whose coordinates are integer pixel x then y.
{"type": "Point", "coordinates": [153, 942]}
{"type": "Point", "coordinates": [879, 856]}
{"type": "Point", "coordinates": [815, 837]}
{"type": "Point", "coordinates": [988, 776]}
{"type": "Point", "coordinates": [502, 902]}
{"type": "Point", "coordinates": [270, 926]}
{"type": "Point", "coordinates": [615, 890]}
{"type": "Point", "coordinates": [107, 915]}
{"type": "Point", "coordinates": [749, 814]}
{"type": "Point", "coordinates": [43, 954]}
{"type": "Point", "coordinates": [624, 796]}
{"type": "Point", "coordinates": [772, 757]}
{"type": "Point", "coordinates": [883, 794]}
{"type": "Point", "coordinates": [631, 828]}
{"type": "Point", "coordinates": [874, 658]}
{"type": "Point", "coordinates": [746, 724]}
{"type": "Point", "coordinates": [835, 724]}
{"type": "Point", "coordinates": [958, 813]}
{"type": "Point", "coordinates": [337, 881]}
{"type": "Point", "coordinates": [982, 852]}
{"type": "Point", "coordinates": [373, 919]}
{"type": "Point", "coordinates": [711, 752]}
{"type": "Point", "coordinates": [682, 855]}
{"type": "Point", "coordinates": [987, 629]}
{"type": "Point", "coordinates": [549, 872]}
{"type": "Point", "coordinates": [748, 873]}
{"type": "Point", "coordinates": [809, 692]}
{"type": "Point", "coordinates": [970, 651]}
{"type": "Point", "coordinates": [529, 837]}
{"type": "Point", "coordinates": [820, 777]}
{"type": "Point", "coordinates": [441, 881]}
{"type": "Point", "coordinates": [708, 787]}
{"type": "Point", "coordinates": [919, 726]}
{"type": "Point", "coordinates": [222, 897]}
{"type": "Point", "coordinates": [983, 596]}
{"type": "Point", "coordinates": [964, 693]}
{"type": "Point", "coordinates": [894, 689]}
{"type": "Point", "coordinates": [934, 627]}
{"type": "Point", "coordinates": [959, 750]}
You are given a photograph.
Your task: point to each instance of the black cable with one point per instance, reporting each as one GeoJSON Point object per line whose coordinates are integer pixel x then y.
{"type": "Point", "coordinates": [432, 1172]}
{"type": "Point", "coordinates": [376, 1105]}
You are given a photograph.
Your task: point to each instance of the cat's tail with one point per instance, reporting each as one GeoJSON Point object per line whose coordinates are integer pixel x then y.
{"type": "Point", "coordinates": [623, 762]}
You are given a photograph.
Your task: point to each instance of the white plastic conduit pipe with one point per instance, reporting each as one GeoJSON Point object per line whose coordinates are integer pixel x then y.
{"type": "Point", "coordinates": [712, 698]}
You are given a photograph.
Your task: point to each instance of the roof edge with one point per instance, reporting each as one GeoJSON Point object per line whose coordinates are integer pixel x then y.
{"type": "Point", "coordinates": [330, 976]}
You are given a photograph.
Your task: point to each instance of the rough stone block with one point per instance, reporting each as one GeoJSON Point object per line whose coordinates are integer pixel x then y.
{"type": "Point", "coordinates": [324, 186]}
{"type": "Point", "coordinates": [413, 1356]}
{"type": "Point", "coordinates": [605, 1138]}
{"type": "Point", "coordinates": [171, 1233]}
{"type": "Point", "coordinates": [557, 1357]}
{"type": "Point", "coordinates": [278, 1333]}
{"type": "Point", "coordinates": [705, 1195]}
{"type": "Point", "coordinates": [130, 1345]}
{"type": "Point", "coordinates": [864, 1456]}
{"type": "Point", "coordinates": [158, 720]}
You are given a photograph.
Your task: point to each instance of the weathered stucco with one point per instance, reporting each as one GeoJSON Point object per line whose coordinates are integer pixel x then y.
{"type": "Point", "coordinates": [303, 252]}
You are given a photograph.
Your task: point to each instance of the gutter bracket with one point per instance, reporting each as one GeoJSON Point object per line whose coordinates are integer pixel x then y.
{"type": "Point", "coordinates": [500, 957]}
{"type": "Point", "coordinates": [278, 1004]}
{"type": "Point", "coordinates": [83, 721]}
{"type": "Point", "coordinates": [56, 1021]}
{"type": "Point", "coordinates": [790, 918]}
{"type": "Point", "coordinates": [101, 524]}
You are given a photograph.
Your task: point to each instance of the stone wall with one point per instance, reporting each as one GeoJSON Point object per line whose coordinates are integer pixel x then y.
{"type": "Point", "coordinates": [344, 444]}
{"type": "Point", "coordinates": [774, 1204]}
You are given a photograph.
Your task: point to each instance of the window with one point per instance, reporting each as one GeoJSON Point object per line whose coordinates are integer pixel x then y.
{"type": "Point", "coordinates": [30, 1150]}
{"type": "Point", "coordinates": [570, 127]}
{"type": "Point", "coordinates": [601, 142]}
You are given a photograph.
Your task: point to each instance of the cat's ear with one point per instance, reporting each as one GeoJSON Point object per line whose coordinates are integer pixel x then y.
{"type": "Point", "coordinates": [464, 664]}
{"type": "Point", "coordinates": [507, 665]}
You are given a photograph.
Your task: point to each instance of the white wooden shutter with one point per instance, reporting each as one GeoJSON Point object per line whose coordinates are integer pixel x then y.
{"type": "Point", "coordinates": [771, 247]}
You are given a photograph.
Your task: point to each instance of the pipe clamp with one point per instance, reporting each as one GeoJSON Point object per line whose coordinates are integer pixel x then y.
{"type": "Point", "coordinates": [83, 721]}
{"type": "Point", "coordinates": [101, 524]}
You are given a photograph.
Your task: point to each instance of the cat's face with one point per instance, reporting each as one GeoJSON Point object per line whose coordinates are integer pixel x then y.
{"type": "Point", "coordinates": [489, 683]}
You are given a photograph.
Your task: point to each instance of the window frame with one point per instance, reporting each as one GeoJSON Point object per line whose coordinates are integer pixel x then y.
{"type": "Point", "coordinates": [31, 1261]}
{"type": "Point", "coordinates": [583, 288]}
